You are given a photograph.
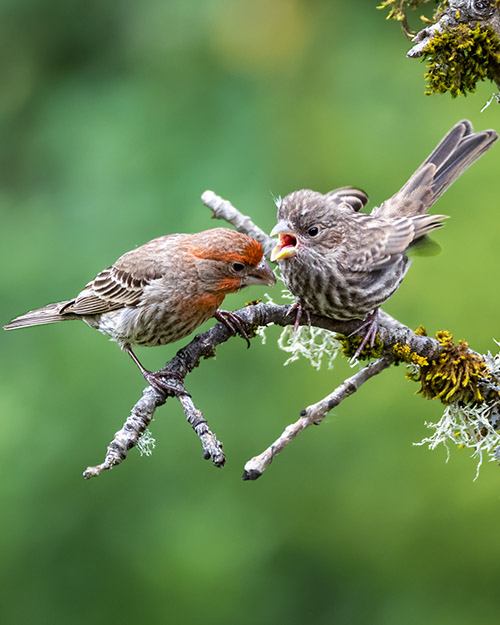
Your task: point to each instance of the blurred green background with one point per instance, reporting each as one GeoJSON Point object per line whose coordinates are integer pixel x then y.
{"type": "Point", "coordinates": [115, 117]}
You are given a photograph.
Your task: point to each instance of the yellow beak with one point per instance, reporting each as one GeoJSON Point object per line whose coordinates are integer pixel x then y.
{"type": "Point", "coordinates": [286, 248]}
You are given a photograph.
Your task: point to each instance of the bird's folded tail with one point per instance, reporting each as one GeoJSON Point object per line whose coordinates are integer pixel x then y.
{"type": "Point", "coordinates": [47, 314]}
{"type": "Point", "coordinates": [452, 156]}
{"type": "Point", "coordinates": [422, 244]}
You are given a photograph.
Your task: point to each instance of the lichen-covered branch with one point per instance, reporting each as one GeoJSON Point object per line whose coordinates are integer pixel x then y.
{"type": "Point", "coordinates": [212, 448]}
{"type": "Point", "coordinates": [314, 415]}
{"type": "Point", "coordinates": [141, 416]}
{"type": "Point", "coordinates": [392, 333]}
{"type": "Point", "coordinates": [460, 44]}
{"type": "Point", "coordinates": [468, 383]}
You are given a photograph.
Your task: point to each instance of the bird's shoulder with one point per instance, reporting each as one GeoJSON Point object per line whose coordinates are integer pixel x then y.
{"type": "Point", "coordinates": [123, 283]}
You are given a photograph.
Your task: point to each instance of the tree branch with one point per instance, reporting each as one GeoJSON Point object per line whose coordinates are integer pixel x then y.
{"type": "Point", "coordinates": [457, 12]}
{"type": "Point", "coordinates": [459, 48]}
{"type": "Point", "coordinates": [204, 346]}
{"type": "Point", "coordinates": [314, 415]}
{"type": "Point", "coordinates": [391, 332]}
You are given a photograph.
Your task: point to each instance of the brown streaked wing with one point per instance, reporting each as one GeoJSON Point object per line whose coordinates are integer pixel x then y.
{"type": "Point", "coordinates": [377, 242]}
{"type": "Point", "coordinates": [123, 283]}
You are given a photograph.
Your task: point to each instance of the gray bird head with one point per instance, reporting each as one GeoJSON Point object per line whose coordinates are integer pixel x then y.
{"type": "Point", "coordinates": [306, 217]}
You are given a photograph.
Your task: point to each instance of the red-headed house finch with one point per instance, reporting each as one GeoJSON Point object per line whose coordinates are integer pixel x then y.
{"type": "Point", "coordinates": [344, 264]}
{"type": "Point", "coordinates": [160, 292]}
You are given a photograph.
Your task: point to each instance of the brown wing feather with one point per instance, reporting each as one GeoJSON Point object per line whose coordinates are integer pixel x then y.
{"type": "Point", "coordinates": [123, 283]}
{"type": "Point", "coordinates": [378, 241]}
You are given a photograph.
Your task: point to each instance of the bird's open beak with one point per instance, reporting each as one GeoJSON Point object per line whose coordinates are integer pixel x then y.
{"type": "Point", "coordinates": [287, 246]}
{"type": "Point", "coordinates": [262, 274]}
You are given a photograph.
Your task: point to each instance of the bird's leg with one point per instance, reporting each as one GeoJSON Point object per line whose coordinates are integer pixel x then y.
{"type": "Point", "coordinates": [157, 379]}
{"type": "Point", "coordinates": [232, 322]}
{"type": "Point", "coordinates": [298, 315]}
{"type": "Point", "coordinates": [369, 328]}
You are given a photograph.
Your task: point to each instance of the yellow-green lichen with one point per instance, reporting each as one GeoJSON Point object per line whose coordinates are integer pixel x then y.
{"type": "Point", "coordinates": [351, 343]}
{"type": "Point", "coordinates": [461, 56]}
{"type": "Point", "coordinates": [454, 376]}
{"type": "Point", "coordinates": [398, 11]}
{"type": "Point", "coordinates": [397, 8]}
{"type": "Point", "coordinates": [403, 353]}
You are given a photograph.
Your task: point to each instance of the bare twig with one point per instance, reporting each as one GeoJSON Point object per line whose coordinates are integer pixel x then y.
{"type": "Point", "coordinates": [313, 415]}
{"type": "Point", "coordinates": [212, 448]}
{"type": "Point", "coordinates": [222, 209]}
{"type": "Point", "coordinates": [127, 437]}
{"type": "Point", "coordinates": [142, 414]}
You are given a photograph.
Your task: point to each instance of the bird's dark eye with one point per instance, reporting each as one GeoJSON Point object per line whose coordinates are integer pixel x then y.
{"type": "Point", "coordinates": [313, 231]}
{"type": "Point", "coordinates": [238, 267]}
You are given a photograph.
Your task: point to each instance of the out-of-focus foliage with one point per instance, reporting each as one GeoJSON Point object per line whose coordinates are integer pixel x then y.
{"type": "Point", "coordinates": [397, 8]}
{"type": "Point", "coordinates": [115, 117]}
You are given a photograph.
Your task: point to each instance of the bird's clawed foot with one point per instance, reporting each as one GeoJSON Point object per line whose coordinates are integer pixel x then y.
{"type": "Point", "coordinates": [233, 323]}
{"type": "Point", "coordinates": [369, 329]}
{"type": "Point", "coordinates": [298, 315]}
{"type": "Point", "coordinates": [164, 384]}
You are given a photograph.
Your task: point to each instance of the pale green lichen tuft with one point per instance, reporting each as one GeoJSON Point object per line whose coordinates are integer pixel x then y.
{"type": "Point", "coordinates": [146, 443]}
{"type": "Point", "coordinates": [472, 427]}
{"type": "Point", "coordinates": [318, 346]}
{"type": "Point", "coordinates": [474, 424]}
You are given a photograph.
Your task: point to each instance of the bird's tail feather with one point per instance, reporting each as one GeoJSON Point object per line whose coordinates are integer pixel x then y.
{"type": "Point", "coordinates": [456, 151]}
{"type": "Point", "coordinates": [424, 224]}
{"type": "Point", "coordinates": [463, 153]}
{"type": "Point", "coordinates": [47, 314]}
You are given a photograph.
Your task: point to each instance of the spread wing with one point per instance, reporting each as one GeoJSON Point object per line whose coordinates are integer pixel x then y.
{"type": "Point", "coordinates": [378, 241]}
{"type": "Point", "coordinates": [123, 283]}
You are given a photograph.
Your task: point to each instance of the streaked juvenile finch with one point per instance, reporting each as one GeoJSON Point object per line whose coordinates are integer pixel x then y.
{"type": "Point", "coordinates": [344, 264]}
{"type": "Point", "coordinates": [160, 292]}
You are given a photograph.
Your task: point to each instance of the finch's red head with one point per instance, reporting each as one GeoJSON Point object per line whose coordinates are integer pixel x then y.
{"type": "Point", "coordinates": [229, 261]}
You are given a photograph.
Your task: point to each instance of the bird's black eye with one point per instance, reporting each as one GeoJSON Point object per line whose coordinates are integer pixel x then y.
{"type": "Point", "coordinates": [238, 267]}
{"type": "Point", "coordinates": [313, 231]}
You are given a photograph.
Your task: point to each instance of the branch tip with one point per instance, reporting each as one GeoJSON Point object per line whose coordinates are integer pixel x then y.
{"type": "Point", "coordinates": [251, 475]}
